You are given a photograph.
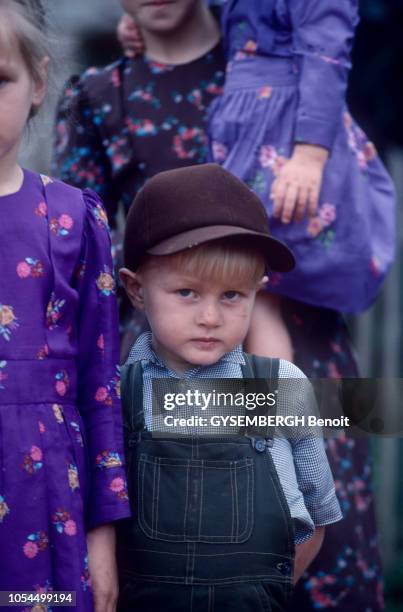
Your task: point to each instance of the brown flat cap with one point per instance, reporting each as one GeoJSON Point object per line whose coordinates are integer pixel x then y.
{"type": "Point", "coordinates": [182, 208]}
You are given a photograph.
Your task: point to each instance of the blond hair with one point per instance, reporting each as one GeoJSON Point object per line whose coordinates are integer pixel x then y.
{"type": "Point", "coordinates": [224, 260]}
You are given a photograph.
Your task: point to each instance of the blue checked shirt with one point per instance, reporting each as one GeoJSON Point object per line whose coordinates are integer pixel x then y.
{"type": "Point", "coordinates": [299, 458]}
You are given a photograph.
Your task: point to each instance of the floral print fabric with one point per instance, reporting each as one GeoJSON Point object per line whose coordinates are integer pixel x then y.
{"type": "Point", "coordinates": [59, 387]}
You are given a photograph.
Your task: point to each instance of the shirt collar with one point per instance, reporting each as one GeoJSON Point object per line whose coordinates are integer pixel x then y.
{"type": "Point", "coordinates": [142, 350]}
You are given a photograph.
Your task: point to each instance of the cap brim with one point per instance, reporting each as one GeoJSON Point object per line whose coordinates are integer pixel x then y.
{"type": "Point", "coordinates": [278, 256]}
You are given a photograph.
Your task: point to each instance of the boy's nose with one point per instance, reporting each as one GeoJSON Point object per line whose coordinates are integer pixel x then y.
{"type": "Point", "coordinates": [209, 315]}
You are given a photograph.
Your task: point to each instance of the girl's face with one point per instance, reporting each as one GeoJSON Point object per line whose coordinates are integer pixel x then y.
{"type": "Point", "coordinates": [160, 15]}
{"type": "Point", "coordinates": [18, 95]}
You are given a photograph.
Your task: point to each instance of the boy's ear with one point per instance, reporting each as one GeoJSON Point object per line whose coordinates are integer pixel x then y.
{"type": "Point", "coordinates": [132, 282]}
{"type": "Point", "coordinates": [262, 283]}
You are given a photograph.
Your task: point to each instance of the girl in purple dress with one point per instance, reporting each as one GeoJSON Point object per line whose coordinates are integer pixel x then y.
{"type": "Point", "coordinates": [62, 482]}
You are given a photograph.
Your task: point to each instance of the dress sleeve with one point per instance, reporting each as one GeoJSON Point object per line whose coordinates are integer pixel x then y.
{"type": "Point", "coordinates": [79, 157]}
{"type": "Point", "coordinates": [98, 371]}
{"type": "Point", "coordinates": [322, 39]}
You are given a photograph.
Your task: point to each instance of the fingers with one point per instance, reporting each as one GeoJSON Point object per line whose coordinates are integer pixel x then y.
{"type": "Point", "coordinates": [278, 194]}
{"type": "Point", "coordinates": [290, 201]}
{"type": "Point", "coordinates": [302, 201]}
{"type": "Point", "coordinates": [313, 198]}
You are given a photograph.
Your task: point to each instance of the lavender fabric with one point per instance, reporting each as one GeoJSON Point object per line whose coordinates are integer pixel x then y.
{"type": "Point", "coordinates": [286, 84]}
{"type": "Point", "coordinates": [61, 454]}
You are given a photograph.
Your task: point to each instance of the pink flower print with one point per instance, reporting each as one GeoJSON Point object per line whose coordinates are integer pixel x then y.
{"type": "Point", "coordinates": [61, 388]}
{"type": "Point", "coordinates": [62, 382]}
{"type": "Point", "coordinates": [62, 225]}
{"type": "Point", "coordinates": [36, 542]}
{"type": "Point", "coordinates": [41, 427]}
{"type": "Point", "coordinates": [33, 462]}
{"type": "Point", "coordinates": [265, 92]}
{"type": "Point", "coordinates": [41, 210]}
{"type": "Point", "coordinates": [219, 150]}
{"type": "Point", "coordinates": [314, 226]}
{"type": "Point", "coordinates": [267, 156]}
{"type": "Point", "coordinates": [4, 509]}
{"type": "Point", "coordinates": [30, 267]}
{"type": "Point", "coordinates": [23, 269]}
{"type": "Point", "coordinates": [70, 527]}
{"type": "Point", "coordinates": [64, 523]}
{"type": "Point", "coordinates": [30, 549]}
{"type": "Point", "coordinates": [117, 484]}
{"type": "Point", "coordinates": [36, 453]}
{"type": "Point", "coordinates": [101, 342]}
{"type": "Point", "coordinates": [66, 222]}
{"type": "Point", "coordinates": [270, 158]}
{"type": "Point", "coordinates": [101, 394]}
{"type": "Point", "coordinates": [327, 214]}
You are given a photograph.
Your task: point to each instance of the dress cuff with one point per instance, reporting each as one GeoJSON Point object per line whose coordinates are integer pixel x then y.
{"type": "Point", "coordinates": [315, 132]}
{"type": "Point", "coordinates": [108, 500]}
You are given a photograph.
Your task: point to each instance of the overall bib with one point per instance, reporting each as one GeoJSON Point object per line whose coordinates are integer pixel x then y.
{"type": "Point", "coordinates": [211, 528]}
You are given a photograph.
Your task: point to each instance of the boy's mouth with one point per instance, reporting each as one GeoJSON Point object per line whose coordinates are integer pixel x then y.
{"type": "Point", "coordinates": [206, 341]}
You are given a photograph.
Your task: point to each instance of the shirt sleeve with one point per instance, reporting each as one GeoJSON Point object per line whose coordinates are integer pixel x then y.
{"type": "Point", "coordinates": [98, 371]}
{"type": "Point", "coordinates": [79, 157]}
{"type": "Point", "coordinates": [312, 469]}
{"type": "Point", "coordinates": [322, 40]}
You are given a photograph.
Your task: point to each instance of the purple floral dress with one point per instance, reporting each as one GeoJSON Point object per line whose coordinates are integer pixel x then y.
{"type": "Point", "coordinates": [61, 470]}
{"type": "Point", "coordinates": [286, 84]}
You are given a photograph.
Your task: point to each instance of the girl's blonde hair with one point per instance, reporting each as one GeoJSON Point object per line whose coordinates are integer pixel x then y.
{"type": "Point", "coordinates": [25, 20]}
{"type": "Point", "coordinates": [221, 261]}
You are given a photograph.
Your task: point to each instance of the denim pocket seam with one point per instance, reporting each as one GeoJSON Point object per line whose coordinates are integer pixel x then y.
{"type": "Point", "coordinates": [153, 531]}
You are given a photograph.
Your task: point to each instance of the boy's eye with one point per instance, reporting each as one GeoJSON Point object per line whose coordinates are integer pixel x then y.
{"type": "Point", "coordinates": [185, 292]}
{"type": "Point", "coordinates": [231, 295]}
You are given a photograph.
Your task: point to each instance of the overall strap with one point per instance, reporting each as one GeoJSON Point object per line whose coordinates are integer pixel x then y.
{"type": "Point", "coordinates": [132, 397]}
{"type": "Point", "coordinates": [267, 369]}
{"type": "Point", "coordinates": [261, 367]}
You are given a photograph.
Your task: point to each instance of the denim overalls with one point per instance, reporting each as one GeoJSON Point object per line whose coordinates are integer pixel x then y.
{"type": "Point", "coordinates": [211, 528]}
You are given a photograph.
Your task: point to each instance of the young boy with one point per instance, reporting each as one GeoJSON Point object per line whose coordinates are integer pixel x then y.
{"type": "Point", "coordinates": [214, 521]}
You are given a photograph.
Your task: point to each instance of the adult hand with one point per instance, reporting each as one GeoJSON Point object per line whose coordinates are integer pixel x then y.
{"type": "Point", "coordinates": [102, 567]}
{"type": "Point", "coordinates": [130, 37]}
{"type": "Point", "coordinates": [297, 186]}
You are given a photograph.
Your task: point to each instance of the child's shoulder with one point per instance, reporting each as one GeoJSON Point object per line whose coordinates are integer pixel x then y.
{"type": "Point", "coordinates": [99, 83]}
{"type": "Point", "coordinates": [66, 204]}
{"type": "Point", "coordinates": [286, 369]}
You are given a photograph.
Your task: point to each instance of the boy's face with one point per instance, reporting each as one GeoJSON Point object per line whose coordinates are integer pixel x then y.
{"type": "Point", "coordinates": [160, 15]}
{"type": "Point", "coordinates": [194, 322]}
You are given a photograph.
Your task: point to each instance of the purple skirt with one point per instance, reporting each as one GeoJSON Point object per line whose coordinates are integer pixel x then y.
{"type": "Point", "coordinates": [344, 252]}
